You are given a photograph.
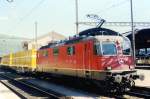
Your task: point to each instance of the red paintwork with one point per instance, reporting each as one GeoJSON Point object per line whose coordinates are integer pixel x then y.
{"type": "Point", "coordinates": [84, 58]}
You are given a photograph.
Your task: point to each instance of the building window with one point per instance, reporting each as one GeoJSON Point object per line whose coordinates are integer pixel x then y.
{"type": "Point", "coordinates": [71, 50]}
{"type": "Point", "coordinates": [55, 51]}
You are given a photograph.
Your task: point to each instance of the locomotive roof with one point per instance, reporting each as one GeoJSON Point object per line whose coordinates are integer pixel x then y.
{"type": "Point", "coordinates": [98, 31]}
{"type": "Point", "coordinates": [84, 34]}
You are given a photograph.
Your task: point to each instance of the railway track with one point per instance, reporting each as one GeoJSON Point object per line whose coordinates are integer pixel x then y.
{"type": "Point", "coordinates": [91, 89]}
{"type": "Point", "coordinates": [140, 92]}
{"type": "Point", "coordinates": [143, 67]}
{"type": "Point", "coordinates": [26, 90]}
{"type": "Point", "coordinates": [134, 94]}
{"type": "Point", "coordinates": [63, 91]}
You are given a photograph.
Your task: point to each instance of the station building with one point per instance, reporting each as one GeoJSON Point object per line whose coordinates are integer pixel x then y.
{"type": "Point", "coordinates": [142, 45]}
{"type": "Point", "coordinates": [45, 39]}
{"type": "Point", "coordinates": [142, 40]}
{"type": "Point", "coordinates": [11, 44]}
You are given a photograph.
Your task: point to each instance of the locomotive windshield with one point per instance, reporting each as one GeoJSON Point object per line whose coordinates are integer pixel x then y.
{"type": "Point", "coordinates": [126, 46]}
{"type": "Point", "coordinates": [109, 48]}
{"type": "Point", "coordinates": [105, 48]}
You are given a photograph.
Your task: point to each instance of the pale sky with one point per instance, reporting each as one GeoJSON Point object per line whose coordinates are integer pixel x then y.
{"type": "Point", "coordinates": [18, 18]}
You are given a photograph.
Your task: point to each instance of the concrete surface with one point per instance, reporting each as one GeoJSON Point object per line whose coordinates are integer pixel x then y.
{"type": "Point", "coordinates": [64, 90]}
{"type": "Point", "coordinates": [5, 93]}
{"type": "Point", "coordinates": [146, 81]}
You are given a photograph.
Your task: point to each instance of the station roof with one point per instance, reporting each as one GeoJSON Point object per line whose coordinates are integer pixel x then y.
{"type": "Point", "coordinates": [142, 38]}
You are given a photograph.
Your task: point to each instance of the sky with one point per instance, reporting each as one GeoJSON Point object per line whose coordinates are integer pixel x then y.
{"type": "Point", "coordinates": [18, 18]}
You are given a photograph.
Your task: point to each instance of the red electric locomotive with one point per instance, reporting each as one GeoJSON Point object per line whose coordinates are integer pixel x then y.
{"type": "Point", "coordinates": [98, 54]}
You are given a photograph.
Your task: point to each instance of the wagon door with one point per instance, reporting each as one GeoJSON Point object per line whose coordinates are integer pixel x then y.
{"type": "Point", "coordinates": [87, 59]}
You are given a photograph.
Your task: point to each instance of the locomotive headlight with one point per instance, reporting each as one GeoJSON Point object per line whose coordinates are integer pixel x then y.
{"type": "Point", "coordinates": [131, 67]}
{"type": "Point", "coordinates": [108, 68]}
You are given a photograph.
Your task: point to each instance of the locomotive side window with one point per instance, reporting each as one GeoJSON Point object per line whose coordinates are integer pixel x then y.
{"type": "Point", "coordinates": [109, 48]}
{"type": "Point", "coordinates": [126, 46]}
{"type": "Point", "coordinates": [71, 50]}
{"type": "Point", "coordinates": [97, 49]}
{"type": "Point", "coordinates": [45, 53]}
{"type": "Point", "coordinates": [55, 51]}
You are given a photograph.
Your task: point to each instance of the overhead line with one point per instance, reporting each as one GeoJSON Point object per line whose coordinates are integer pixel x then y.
{"type": "Point", "coordinates": [4, 38]}
{"type": "Point", "coordinates": [31, 11]}
{"type": "Point", "coordinates": [28, 14]}
{"type": "Point", "coordinates": [117, 23]}
{"type": "Point", "coordinates": [113, 6]}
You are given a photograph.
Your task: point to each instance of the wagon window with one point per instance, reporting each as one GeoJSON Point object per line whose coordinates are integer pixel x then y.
{"type": "Point", "coordinates": [55, 51]}
{"type": "Point", "coordinates": [71, 50]}
{"type": "Point", "coordinates": [109, 48]}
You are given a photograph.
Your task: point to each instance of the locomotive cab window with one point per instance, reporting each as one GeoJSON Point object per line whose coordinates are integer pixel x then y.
{"type": "Point", "coordinates": [71, 50]}
{"type": "Point", "coordinates": [55, 51]}
{"type": "Point", "coordinates": [109, 48]}
{"type": "Point", "coordinates": [126, 46]}
{"type": "Point", "coordinates": [97, 48]}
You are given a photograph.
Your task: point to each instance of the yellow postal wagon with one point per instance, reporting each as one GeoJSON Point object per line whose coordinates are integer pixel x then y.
{"type": "Point", "coordinates": [22, 61]}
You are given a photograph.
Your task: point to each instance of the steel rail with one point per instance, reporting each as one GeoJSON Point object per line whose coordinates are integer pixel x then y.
{"type": "Point", "coordinates": [140, 92]}
{"type": "Point", "coordinates": [29, 86]}
{"type": "Point", "coordinates": [135, 92]}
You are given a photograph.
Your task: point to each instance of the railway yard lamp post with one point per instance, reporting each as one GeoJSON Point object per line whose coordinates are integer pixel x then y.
{"type": "Point", "coordinates": [132, 29]}
{"type": "Point", "coordinates": [36, 45]}
{"type": "Point", "coordinates": [77, 24]}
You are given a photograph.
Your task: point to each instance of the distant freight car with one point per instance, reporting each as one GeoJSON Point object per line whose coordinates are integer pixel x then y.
{"type": "Point", "coordinates": [143, 60]}
{"type": "Point", "coordinates": [22, 61]}
{"type": "Point", "coordinates": [6, 60]}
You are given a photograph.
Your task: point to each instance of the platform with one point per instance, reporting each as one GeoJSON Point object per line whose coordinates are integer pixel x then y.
{"type": "Point", "coordinates": [146, 81]}
{"type": "Point", "coordinates": [6, 93]}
